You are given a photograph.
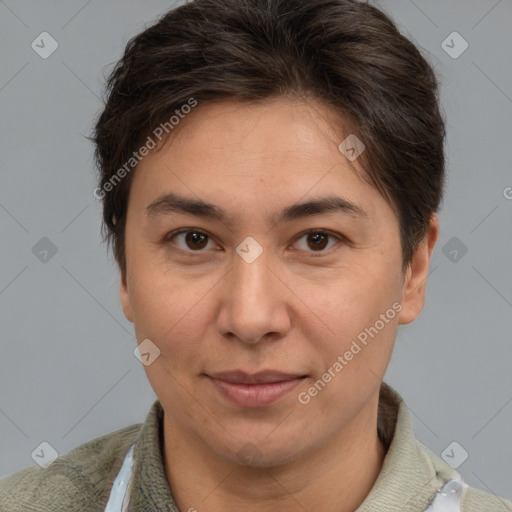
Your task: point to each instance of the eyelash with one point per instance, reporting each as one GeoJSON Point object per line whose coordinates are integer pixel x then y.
{"type": "Point", "coordinates": [170, 237]}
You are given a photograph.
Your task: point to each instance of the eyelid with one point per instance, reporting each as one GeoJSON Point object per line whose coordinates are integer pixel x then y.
{"type": "Point", "coordinates": [340, 238]}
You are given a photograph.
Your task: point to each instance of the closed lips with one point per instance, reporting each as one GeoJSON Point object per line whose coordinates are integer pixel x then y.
{"type": "Point", "coordinates": [263, 377]}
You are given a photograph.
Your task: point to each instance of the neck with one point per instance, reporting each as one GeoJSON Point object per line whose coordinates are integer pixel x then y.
{"type": "Point", "coordinates": [336, 477]}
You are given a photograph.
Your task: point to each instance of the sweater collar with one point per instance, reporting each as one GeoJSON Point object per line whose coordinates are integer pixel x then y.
{"type": "Point", "coordinates": [151, 492]}
{"type": "Point", "coordinates": [408, 478]}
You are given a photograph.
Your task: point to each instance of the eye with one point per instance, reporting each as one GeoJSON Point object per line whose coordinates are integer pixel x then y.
{"type": "Point", "coordinates": [194, 239]}
{"type": "Point", "coordinates": [317, 240]}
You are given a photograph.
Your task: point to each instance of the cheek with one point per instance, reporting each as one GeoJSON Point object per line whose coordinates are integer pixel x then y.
{"type": "Point", "coordinates": [159, 294]}
{"type": "Point", "coordinates": [174, 322]}
{"type": "Point", "coordinates": [351, 363]}
{"type": "Point", "coordinates": [345, 319]}
{"type": "Point", "coordinates": [175, 312]}
{"type": "Point", "coordinates": [349, 299]}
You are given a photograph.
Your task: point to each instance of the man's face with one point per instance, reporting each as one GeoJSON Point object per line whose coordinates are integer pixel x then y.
{"type": "Point", "coordinates": [212, 303]}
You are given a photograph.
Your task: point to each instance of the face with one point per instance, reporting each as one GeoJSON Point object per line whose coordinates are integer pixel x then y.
{"type": "Point", "coordinates": [253, 282]}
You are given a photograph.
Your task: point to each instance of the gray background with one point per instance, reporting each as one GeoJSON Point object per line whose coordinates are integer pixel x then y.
{"type": "Point", "coordinates": [67, 369]}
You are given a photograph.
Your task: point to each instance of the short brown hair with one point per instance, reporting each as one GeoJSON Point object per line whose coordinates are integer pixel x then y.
{"type": "Point", "coordinates": [346, 53]}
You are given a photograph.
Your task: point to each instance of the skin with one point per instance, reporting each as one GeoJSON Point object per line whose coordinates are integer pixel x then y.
{"type": "Point", "coordinates": [296, 308]}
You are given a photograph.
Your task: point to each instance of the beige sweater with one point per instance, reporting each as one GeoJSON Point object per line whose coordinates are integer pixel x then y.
{"type": "Point", "coordinates": [81, 479]}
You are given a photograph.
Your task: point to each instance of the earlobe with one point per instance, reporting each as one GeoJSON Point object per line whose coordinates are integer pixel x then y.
{"type": "Point", "coordinates": [125, 297]}
{"type": "Point", "coordinates": [413, 292]}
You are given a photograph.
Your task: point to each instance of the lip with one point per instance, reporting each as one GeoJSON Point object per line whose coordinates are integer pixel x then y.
{"type": "Point", "coordinates": [262, 377]}
{"type": "Point", "coordinates": [258, 390]}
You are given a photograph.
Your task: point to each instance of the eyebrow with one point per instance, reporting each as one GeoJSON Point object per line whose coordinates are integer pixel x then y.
{"type": "Point", "coordinates": [172, 203]}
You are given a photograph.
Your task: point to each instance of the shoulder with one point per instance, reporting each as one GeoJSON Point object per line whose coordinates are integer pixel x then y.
{"type": "Point", "coordinates": [77, 480]}
{"type": "Point", "coordinates": [473, 499]}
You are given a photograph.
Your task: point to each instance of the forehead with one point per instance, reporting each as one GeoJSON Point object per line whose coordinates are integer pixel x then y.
{"type": "Point", "coordinates": [254, 155]}
{"type": "Point", "coordinates": [266, 129]}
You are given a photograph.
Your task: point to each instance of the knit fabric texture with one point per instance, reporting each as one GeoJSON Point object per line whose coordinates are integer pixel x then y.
{"type": "Point", "coordinates": [81, 479]}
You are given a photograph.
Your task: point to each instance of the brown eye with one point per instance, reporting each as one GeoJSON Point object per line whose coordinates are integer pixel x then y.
{"type": "Point", "coordinates": [316, 241]}
{"type": "Point", "coordinates": [196, 240]}
{"type": "Point", "coordinates": [191, 239]}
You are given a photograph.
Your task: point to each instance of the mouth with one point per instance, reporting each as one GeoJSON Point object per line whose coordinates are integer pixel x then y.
{"type": "Point", "coordinates": [257, 390]}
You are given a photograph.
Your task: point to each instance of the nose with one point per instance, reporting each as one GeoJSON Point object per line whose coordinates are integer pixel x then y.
{"type": "Point", "coordinates": [254, 301]}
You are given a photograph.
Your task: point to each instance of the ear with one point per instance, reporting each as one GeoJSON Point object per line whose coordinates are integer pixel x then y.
{"type": "Point", "coordinates": [125, 297]}
{"type": "Point", "coordinates": [415, 282]}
